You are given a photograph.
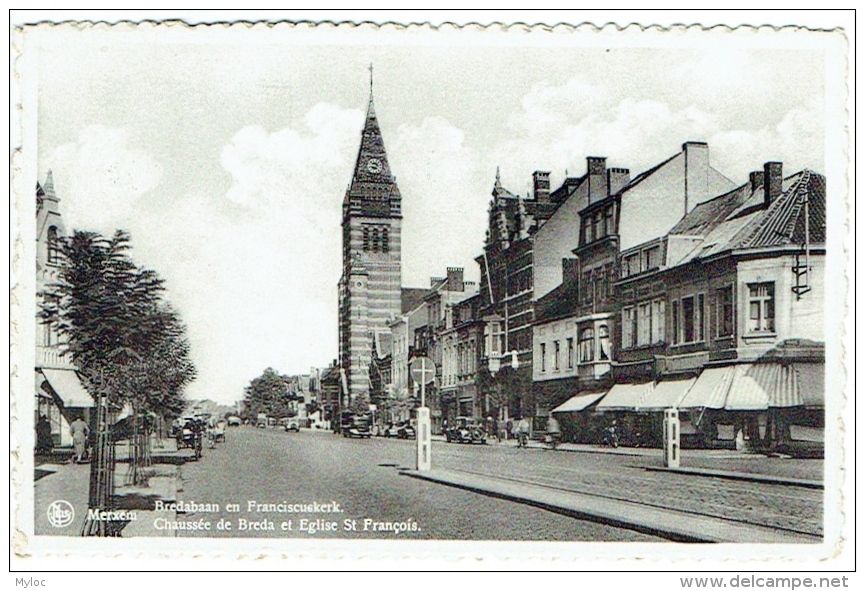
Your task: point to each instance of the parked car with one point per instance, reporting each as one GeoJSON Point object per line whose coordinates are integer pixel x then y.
{"type": "Point", "coordinates": [292, 425]}
{"type": "Point", "coordinates": [234, 421]}
{"type": "Point", "coordinates": [465, 430]}
{"type": "Point", "coordinates": [403, 430]}
{"type": "Point", "coordinates": [355, 426]}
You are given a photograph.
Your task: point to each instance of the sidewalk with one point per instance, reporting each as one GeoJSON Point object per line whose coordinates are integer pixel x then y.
{"type": "Point", "coordinates": [71, 483]}
{"type": "Point", "coordinates": [665, 523]}
{"type": "Point", "coordinates": [718, 463]}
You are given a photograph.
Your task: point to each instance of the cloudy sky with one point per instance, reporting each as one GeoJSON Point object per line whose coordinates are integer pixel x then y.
{"type": "Point", "coordinates": [226, 153]}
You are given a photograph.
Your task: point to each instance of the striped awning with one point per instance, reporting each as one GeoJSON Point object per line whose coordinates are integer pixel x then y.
{"type": "Point", "coordinates": [811, 379]}
{"type": "Point", "coordinates": [710, 389]}
{"type": "Point", "coordinates": [758, 386]}
{"type": "Point", "coordinates": [579, 402]}
{"type": "Point", "coordinates": [68, 388]}
{"type": "Point", "coordinates": [625, 397]}
{"type": "Point", "coordinates": [750, 387]}
{"type": "Point", "coordinates": [666, 394]}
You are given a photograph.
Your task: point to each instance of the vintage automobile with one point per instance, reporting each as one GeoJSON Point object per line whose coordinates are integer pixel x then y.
{"type": "Point", "coordinates": [234, 421]}
{"type": "Point", "coordinates": [403, 430]}
{"type": "Point", "coordinates": [292, 424]}
{"type": "Point", "coordinates": [355, 426]}
{"type": "Point", "coordinates": [465, 430]}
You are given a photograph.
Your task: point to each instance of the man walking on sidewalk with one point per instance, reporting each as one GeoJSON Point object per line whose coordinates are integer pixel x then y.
{"type": "Point", "coordinates": [80, 431]}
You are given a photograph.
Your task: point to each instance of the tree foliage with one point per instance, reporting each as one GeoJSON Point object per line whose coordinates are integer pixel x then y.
{"type": "Point", "coordinates": [270, 394]}
{"type": "Point", "coordinates": [123, 338]}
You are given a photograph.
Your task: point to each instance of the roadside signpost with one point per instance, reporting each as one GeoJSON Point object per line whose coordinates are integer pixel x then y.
{"type": "Point", "coordinates": [423, 371]}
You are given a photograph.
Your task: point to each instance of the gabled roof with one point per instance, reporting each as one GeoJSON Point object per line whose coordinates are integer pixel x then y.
{"type": "Point", "coordinates": [562, 301]}
{"type": "Point", "coordinates": [707, 215]}
{"type": "Point", "coordinates": [754, 225]}
{"type": "Point", "coordinates": [412, 297]}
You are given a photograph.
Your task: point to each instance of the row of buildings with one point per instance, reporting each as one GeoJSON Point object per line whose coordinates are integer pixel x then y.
{"type": "Point", "coordinates": [613, 296]}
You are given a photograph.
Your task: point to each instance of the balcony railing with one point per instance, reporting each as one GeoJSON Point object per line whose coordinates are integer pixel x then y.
{"type": "Point", "coordinates": [52, 357]}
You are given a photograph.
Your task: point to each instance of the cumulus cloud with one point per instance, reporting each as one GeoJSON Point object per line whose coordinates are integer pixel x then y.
{"type": "Point", "coordinates": [444, 204]}
{"type": "Point", "coordinates": [101, 175]}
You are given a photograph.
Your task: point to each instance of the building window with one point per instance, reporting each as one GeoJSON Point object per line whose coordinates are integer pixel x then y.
{"type": "Point", "coordinates": [628, 326]}
{"type": "Point", "coordinates": [587, 345]}
{"type": "Point", "coordinates": [688, 319]}
{"type": "Point", "coordinates": [608, 221]}
{"type": "Point", "coordinates": [543, 357]}
{"type": "Point", "coordinates": [599, 229]}
{"type": "Point", "coordinates": [557, 351]}
{"type": "Point", "coordinates": [53, 246]}
{"type": "Point", "coordinates": [658, 321]}
{"type": "Point", "coordinates": [651, 257]}
{"type": "Point", "coordinates": [631, 265]}
{"type": "Point", "coordinates": [366, 239]}
{"type": "Point", "coordinates": [604, 342]}
{"type": "Point", "coordinates": [570, 352]}
{"type": "Point", "coordinates": [761, 307]}
{"type": "Point", "coordinates": [724, 311]}
{"type": "Point", "coordinates": [644, 323]}
{"type": "Point", "coordinates": [385, 242]}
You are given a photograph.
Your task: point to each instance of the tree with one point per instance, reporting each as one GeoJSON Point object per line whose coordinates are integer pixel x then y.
{"type": "Point", "coordinates": [125, 341]}
{"type": "Point", "coordinates": [269, 393]}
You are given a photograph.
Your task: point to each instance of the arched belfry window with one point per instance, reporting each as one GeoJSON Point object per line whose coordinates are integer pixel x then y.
{"type": "Point", "coordinates": [365, 239]}
{"type": "Point", "coordinates": [53, 246]}
{"type": "Point", "coordinates": [385, 241]}
{"type": "Point", "coordinates": [375, 240]}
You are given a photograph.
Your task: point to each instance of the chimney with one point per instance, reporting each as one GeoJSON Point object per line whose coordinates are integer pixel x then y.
{"type": "Point", "coordinates": [433, 281]}
{"type": "Point", "coordinates": [696, 173]}
{"type": "Point", "coordinates": [617, 179]}
{"type": "Point", "coordinates": [455, 279]}
{"type": "Point", "coordinates": [772, 177]}
{"type": "Point", "coordinates": [596, 170]}
{"type": "Point", "coordinates": [542, 186]}
{"type": "Point", "coordinates": [756, 178]}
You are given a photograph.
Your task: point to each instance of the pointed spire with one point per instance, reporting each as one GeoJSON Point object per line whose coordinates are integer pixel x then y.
{"type": "Point", "coordinates": [498, 178]}
{"type": "Point", "coordinates": [48, 186]}
{"type": "Point", "coordinates": [370, 110]}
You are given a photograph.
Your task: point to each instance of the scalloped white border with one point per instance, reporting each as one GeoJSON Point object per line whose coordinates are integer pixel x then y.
{"type": "Point", "coordinates": [67, 553]}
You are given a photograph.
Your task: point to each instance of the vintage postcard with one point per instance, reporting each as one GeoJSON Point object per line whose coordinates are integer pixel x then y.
{"type": "Point", "coordinates": [342, 290]}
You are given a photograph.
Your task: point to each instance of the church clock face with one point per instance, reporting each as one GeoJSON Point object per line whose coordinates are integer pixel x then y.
{"type": "Point", "coordinates": [374, 165]}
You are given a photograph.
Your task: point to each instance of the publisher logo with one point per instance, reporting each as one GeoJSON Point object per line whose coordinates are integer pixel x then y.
{"type": "Point", "coordinates": [60, 513]}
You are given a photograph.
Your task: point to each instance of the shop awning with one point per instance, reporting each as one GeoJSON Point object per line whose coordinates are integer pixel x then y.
{"type": "Point", "coordinates": [710, 389]}
{"type": "Point", "coordinates": [666, 394]}
{"type": "Point", "coordinates": [68, 388]}
{"type": "Point", "coordinates": [625, 397]}
{"type": "Point", "coordinates": [751, 387]}
{"type": "Point", "coordinates": [578, 402]}
{"type": "Point", "coordinates": [811, 378]}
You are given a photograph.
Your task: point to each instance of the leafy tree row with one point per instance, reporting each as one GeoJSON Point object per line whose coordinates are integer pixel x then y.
{"type": "Point", "coordinates": [124, 338]}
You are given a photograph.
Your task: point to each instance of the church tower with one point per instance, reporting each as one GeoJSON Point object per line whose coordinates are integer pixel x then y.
{"type": "Point", "coordinates": [370, 286]}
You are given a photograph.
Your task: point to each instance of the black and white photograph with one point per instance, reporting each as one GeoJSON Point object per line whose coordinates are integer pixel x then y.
{"type": "Point", "coordinates": [578, 288]}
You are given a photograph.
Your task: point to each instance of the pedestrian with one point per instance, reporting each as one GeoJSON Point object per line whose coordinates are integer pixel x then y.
{"type": "Point", "coordinates": [509, 429]}
{"type": "Point", "coordinates": [523, 432]}
{"type": "Point", "coordinates": [80, 432]}
{"type": "Point", "coordinates": [553, 431]}
{"type": "Point", "coordinates": [44, 443]}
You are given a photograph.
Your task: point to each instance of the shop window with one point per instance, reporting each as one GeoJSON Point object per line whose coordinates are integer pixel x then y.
{"type": "Point", "coordinates": [761, 307]}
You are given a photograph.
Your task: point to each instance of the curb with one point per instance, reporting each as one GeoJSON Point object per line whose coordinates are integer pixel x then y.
{"type": "Point", "coordinates": [746, 476]}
